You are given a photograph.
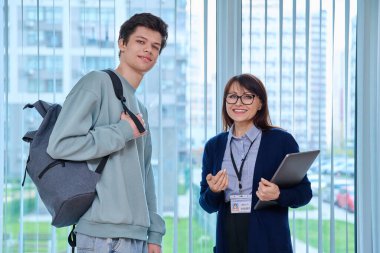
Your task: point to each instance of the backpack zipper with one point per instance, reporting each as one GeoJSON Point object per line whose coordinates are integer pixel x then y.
{"type": "Point", "coordinates": [51, 166]}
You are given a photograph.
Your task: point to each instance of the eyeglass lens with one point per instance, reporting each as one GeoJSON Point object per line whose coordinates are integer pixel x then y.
{"type": "Point", "coordinates": [246, 99]}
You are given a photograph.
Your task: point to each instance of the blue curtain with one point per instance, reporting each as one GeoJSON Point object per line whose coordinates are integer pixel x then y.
{"type": "Point", "coordinates": [368, 121]}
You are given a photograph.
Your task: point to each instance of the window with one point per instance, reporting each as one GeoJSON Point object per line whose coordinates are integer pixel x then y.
{"type": "Point", "coordinates": [55, 44]}
{"type": "Point", "coordinates": [314, 99]}
{"type": "Point", "coordinates": [297, 51]}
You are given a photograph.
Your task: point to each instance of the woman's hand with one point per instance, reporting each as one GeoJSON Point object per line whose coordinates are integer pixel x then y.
{"type": "Point", "coordinates": [219, 182]}
{"type": "Point", "coordinates": [267, 191]}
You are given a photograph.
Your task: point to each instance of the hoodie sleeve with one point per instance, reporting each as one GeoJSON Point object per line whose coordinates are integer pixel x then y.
{"type": "Point", "coordinates": [74, 136]}
{"type": "Point", "coordinates": [157, 228]}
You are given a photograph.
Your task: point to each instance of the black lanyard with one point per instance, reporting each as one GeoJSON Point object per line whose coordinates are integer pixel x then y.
{"type": "Point", "coordinates": [240, 172]}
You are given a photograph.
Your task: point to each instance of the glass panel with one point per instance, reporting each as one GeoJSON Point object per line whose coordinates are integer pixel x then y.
{"type": "Point", "coordinates": [305, 54]}
{"type": "Point", "coordinates": [52, 45]}
{"type": "Point", "coordinates": [207, 222]}
{"type": "Point", "coordinates": [309, 72]}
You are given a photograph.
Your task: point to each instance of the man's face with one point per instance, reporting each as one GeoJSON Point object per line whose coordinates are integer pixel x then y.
{"type": "Point", "coordinates": [141, 51]}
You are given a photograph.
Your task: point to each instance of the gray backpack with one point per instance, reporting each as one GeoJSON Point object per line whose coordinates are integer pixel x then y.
{"type": "Point", "coordinates": [67, 188]}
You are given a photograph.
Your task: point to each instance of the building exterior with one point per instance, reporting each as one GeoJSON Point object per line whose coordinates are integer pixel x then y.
{"type": "Point", "coordinates": [296, 93]}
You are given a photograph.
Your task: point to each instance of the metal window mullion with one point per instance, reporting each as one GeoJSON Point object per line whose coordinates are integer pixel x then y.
{"type": "Point", "coordinates": [205, 59]}
{"type": "Point", "coordinates": [38, 94]}
{"type": "Point", "coordinates": [320, 221]}
{"type": "Point", "coordinates": [266, 40]}
{"type": "Point", "coordinates": [294, 88]}
{"type": "Point", "coordinates": [161, 132]}
{"type": "Point", "coordinates": [250, 36]}
{"type": "Point", "coordinates": [22, 168]}
{"type": "Point", "coordinates": [294, 16]}
{"type": "Point", "coordinates": [116, 44]}
{"type": "Point", "coordinates": [281, 16]}
{"type": "Point", "coordinates": [205, 104]}
{"type": "Point", "coordinates": [54, 230]}
{"type": "Point", "coordinates": [332, 207]}
{"type": "Point", "coordinates": [84, 39]}
{"type": "Point", "coordinates": [294, 60]}
{"type": "Point", "coordinates": [346, 50]}
{"type": "Point", "coordinates": [205, 71]}
{"type": "Point", "coordinates": [175, 219]}
{"type": "Point", "coordinates": [67, 69]}
{"type": "Point", "coordinates": [206, 90]}
{"type": "Point", "coordinates": [100, 27]}
{"type": "Point", "coordinates": [190, 238]}
{"type": "Point", "coordinates": [4, 75]}
{"type": "Point", "coordinates": [307, 30]}
{"type": "Point", "coordinates": [66, 46]}
{"type": "Point", "coordinates": [54, 55]}
{"type": "Point", "coordinates": [38, 49]}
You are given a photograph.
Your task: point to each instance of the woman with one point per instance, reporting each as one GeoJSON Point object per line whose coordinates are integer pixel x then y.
{"type": "Point", "coordinates": [237, 165]}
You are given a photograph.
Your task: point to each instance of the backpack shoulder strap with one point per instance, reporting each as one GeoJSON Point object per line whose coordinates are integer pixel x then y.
{"type": "Point", "coordinates": [118, 88]}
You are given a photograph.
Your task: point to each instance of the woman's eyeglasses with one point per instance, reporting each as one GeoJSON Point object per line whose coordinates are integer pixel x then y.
{"type": "Point", "coordinates": [246, 99]}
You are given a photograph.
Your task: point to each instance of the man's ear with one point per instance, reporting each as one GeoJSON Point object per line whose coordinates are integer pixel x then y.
{"type": "Point", "coordinates": [121, 43]}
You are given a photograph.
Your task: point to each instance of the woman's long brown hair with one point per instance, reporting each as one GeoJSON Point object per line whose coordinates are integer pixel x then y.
{"type": "Point", "coordinates": [253, 84]}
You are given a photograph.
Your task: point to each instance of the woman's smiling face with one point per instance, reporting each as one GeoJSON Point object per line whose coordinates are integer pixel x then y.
{"type": "Point", "coordinates": [239, 112]}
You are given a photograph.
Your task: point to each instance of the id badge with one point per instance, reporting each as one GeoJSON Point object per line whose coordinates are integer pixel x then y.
{"type": "Point", "coordinates": [241, 203]}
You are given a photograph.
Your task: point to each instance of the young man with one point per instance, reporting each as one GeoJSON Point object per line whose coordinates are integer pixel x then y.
{"type": "Point", "coordinates": [91, 125]}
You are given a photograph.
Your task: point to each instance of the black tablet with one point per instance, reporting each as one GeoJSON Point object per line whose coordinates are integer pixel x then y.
{"type": "Point", "coordinates": [291, 171]}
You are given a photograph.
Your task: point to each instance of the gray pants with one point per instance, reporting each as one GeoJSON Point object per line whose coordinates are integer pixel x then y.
{"type": "Point", "coordinates": [90, 244]}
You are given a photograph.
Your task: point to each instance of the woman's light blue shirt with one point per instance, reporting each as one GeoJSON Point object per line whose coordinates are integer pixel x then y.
{"type": "Point", "coordinates": [240, 146]}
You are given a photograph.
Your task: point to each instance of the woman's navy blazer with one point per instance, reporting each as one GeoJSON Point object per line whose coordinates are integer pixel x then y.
{"type": "Point", "coordinates": [269, 228]}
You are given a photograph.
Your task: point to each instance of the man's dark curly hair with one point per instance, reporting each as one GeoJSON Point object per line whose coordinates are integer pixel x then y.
{"type": "Point", "coordinates": [147, 20]}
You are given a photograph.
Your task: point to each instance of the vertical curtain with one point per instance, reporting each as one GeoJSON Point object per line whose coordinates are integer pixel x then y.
{"type": "Point", "coordinates": [228, 46]}
{"type": "Point", "coordinates": [3, 55]}
{"type": "Point", "coordinates": [368, 122]}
